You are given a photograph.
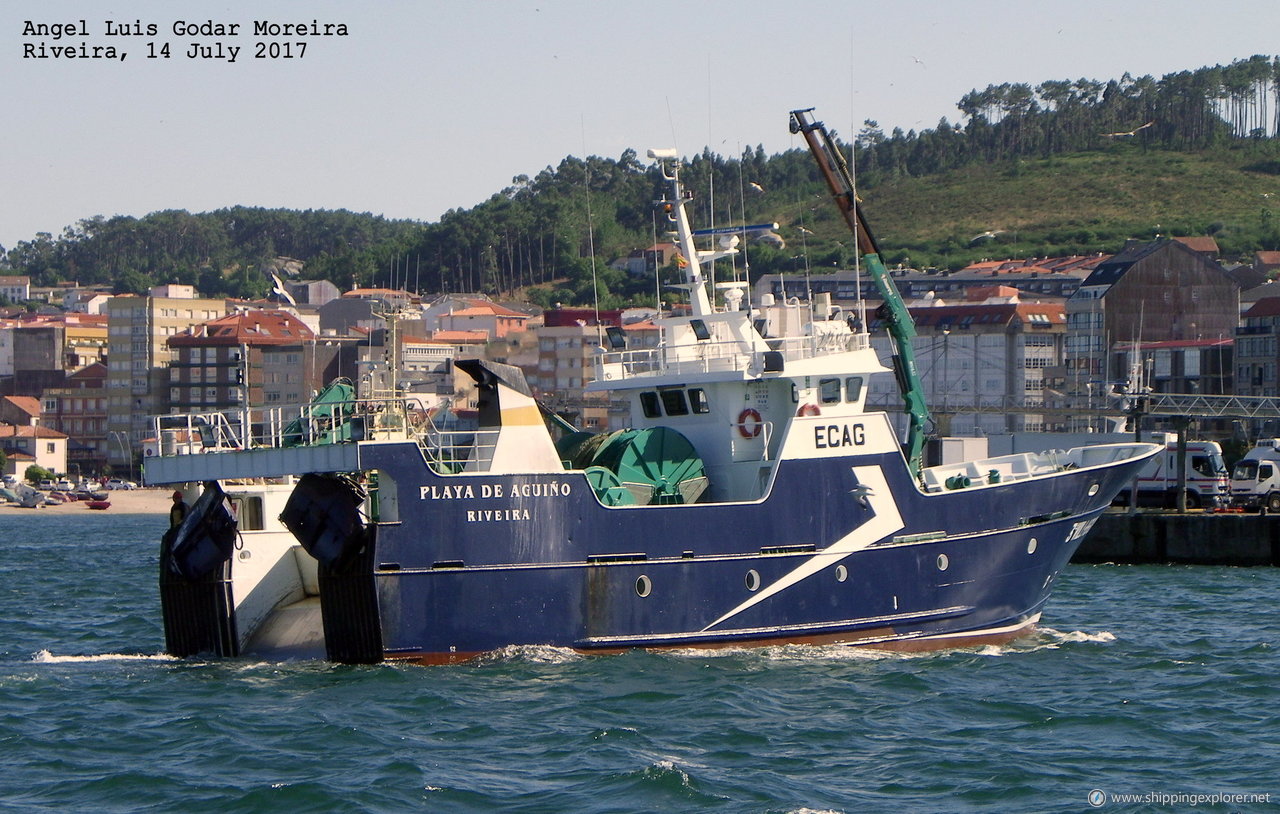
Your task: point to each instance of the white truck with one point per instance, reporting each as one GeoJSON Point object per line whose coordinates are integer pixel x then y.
{"type": "Point", "coordinates": [1208, 483]}
{"type": "Point", "coordinates": [1255, 480]}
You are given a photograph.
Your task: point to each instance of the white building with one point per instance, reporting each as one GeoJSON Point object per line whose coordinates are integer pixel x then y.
{"type": "Point", "coordinates": [15, 288]}
{"type": "Point", "coordinates": [985, 366]}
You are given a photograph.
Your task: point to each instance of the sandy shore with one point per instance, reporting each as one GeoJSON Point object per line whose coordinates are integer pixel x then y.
{"type": "Point", "coordinates": [123, 501]}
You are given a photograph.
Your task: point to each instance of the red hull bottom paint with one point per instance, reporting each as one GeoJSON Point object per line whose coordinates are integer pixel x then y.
{"type": "Point", "coordinates": [876, 639]}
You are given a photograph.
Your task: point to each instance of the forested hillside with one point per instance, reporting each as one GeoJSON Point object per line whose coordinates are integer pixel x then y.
{"type": "Point", "coordinates": [1067, 166]}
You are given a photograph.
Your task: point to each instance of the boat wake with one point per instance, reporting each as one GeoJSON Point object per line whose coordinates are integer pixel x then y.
{"type": "Point", "coordinates": [1078, 636]}
{"type": "Point", "coordinates": [45, 657]}
{"type": "Point", "coordinates": [785, 653]}
{"type": "Point", "coordinates": [1045, 638]}
{"type": "Point", "coordinates": [530, 654]}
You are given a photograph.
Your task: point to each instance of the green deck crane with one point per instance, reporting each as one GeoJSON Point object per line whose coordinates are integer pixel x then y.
{"type": "Point", "coordinates": [835, 170]}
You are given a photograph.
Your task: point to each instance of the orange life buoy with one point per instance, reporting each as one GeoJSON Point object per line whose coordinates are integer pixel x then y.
{"type": "Point", "coordinates": [749, 423]}
{"type": "Point", "coordinates": [809, 409]}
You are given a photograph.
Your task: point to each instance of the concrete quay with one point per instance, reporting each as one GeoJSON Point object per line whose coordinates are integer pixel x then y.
{"type": "Point", "coordinates": [1195, 538]}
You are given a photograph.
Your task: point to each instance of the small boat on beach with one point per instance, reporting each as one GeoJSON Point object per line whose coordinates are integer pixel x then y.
{"type": "Point", "coordinates": [753, 499]}
{"type": "Point", "coordinates": [99, 505]}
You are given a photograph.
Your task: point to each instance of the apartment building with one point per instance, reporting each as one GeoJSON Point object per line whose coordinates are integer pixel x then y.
{"type": "Point", "coordinates": [138, 334]}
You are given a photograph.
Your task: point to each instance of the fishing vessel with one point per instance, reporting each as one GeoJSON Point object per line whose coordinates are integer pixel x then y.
{"type": "Point", "coordinates": [753, 500]}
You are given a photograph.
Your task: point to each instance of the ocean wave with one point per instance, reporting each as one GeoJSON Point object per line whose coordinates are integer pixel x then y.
{"type": "Point", "coordinates": [45, 657]}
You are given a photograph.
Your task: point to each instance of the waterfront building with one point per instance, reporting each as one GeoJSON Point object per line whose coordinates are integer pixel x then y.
{"type": "Point", "coordinates": [253, 359]}
{"type": "Point", "coordinates": [986, 364]}
{"type": "Point", "coordinates": [1257, 353]}
{"type": "Point", "coordinates": [138, 356]}
{"type": "Point", "coordinates": [27, 445]}
{"type": "Point", "coordinates": [78, 409]}
{"type": "Point", "coordinates": [1161, 291]}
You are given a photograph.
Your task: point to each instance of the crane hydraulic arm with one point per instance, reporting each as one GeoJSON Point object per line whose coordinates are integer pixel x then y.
{"type": "Point", "coordinates": [894, 312]}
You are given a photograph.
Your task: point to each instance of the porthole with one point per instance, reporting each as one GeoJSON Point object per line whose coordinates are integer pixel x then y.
{"type": "Point", "coordinates": [1031, 546]}
{"type": "Point", "coordinates": [644, 586]}
{"type": "Point", "coordinates": [753, 580]}
{"type": "Point", "coordinates": [842, 573]}
{"type": "Point", "coordinates": [943, 562]}
{"type": "Point", "coordinates": [1093, 489]}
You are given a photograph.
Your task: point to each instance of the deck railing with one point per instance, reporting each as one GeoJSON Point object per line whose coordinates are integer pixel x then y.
{"type": "Point", "coordinates": [709, 356]}
{"type": "Point", "coordinates": [276, 427]}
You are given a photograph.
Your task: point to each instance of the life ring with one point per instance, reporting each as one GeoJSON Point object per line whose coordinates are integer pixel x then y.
{"type": "Point", "coordinates": [749, 423]}
{"type": "Point", "coordinates": [809, 409]}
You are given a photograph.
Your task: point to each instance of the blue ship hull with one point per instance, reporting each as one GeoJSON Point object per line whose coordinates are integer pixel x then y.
{"type": "Point", "coordinates": [536, 559]}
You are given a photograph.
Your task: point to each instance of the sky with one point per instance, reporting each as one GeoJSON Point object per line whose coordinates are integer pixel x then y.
{"type": "Point", "coordinates": [429, 106]}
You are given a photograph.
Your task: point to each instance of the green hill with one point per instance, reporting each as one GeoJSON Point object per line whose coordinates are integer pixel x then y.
{"type": "Point", "coordinates": [1074, 204]}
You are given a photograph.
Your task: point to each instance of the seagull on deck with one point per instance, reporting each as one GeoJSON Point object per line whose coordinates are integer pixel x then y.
{"type": "Point", "coordinates": [1132, 132]}
{"type": "Point", "coordinates": [987, 235]}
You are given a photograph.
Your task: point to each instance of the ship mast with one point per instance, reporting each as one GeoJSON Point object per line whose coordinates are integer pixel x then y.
{"type": "Point", "coordinates": [901, 328]}
{"type": "Point", "coordinates": [699, 302]}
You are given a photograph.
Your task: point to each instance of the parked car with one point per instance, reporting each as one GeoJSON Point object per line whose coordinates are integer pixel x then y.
{"type": "Point", "coordinates": [117, 483]}
{"type": "Point", "coordinates": [65, 485]}
{"type": "Point", "coordinates": [45, 485]}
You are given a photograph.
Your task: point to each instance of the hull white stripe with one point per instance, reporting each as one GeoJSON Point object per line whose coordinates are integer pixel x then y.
{"type": "Point", "coordinates": [886, 520]}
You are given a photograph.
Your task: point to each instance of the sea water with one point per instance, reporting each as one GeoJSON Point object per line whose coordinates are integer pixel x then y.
{"type": "Point", "coordinates": [1158, 682]}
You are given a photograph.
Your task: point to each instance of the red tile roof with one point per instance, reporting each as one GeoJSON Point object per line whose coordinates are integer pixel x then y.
{"type": "Point", "coordinates": [1199, 244]}
{"type": "Point", "coordinates": [479, 308]}
{"type": "Point", "coordinates": [27, 404]}
{"type": "Point", "coordinates": [942, 316]}
{"type": "Point", "coordinates": [19, 431]}
{"type": "Point", "coordinates": [362, 293]}
{"type": "Point", "coordinates": [1265, 307]}
{"type": "Point", "coordinates": [247, 328]}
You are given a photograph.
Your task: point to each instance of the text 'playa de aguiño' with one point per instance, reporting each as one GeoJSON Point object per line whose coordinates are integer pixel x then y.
{"type": "Point", "coordinates": [190, 39]}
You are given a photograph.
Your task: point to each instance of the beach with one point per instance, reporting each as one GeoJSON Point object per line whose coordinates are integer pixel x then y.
{"type": "Point", "coordinates": [123, 501]}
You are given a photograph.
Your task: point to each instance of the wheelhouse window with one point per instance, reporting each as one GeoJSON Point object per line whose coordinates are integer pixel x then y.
{"type": "Point", "coordinates": [829, 391]}
{"type": "Point", "coordinates": [852, 388]}
{"type": "Point", "coordinates": [673, 402]}
{"type": "Point", "coordinates": [649, 404]}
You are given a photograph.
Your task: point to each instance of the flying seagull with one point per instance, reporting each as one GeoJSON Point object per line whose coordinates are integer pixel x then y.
{"type": "Point", "coordinates": [755, 186]}
{"type": "Point", "coordinates": [987, 235]}
{"type": "Point", "coordinates": [280, 291]}
{"type": "Point", "coordinates": [1132, 132]}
